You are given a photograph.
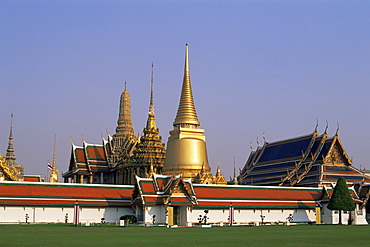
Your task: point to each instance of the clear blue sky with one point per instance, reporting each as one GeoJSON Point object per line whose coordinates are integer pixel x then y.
{"type": "Point", "coordinates": [256, 66]}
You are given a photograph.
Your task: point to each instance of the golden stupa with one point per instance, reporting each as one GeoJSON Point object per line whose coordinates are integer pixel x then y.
{"type": "Point", "coordinates": [186, 146]}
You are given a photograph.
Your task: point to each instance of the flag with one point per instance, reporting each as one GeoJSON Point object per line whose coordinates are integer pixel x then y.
{"type": "Point", "coordinates": [50, 166]}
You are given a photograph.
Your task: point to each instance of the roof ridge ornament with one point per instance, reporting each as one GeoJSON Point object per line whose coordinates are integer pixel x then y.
{"type": "Point", "coordinates": [326, 128]}
{"type": "Point", "coordinates": [336, 132]}
{"type": "Point", "coordinates": [317, 125]}
{"type": "Point", "coordinates": [264, 137]}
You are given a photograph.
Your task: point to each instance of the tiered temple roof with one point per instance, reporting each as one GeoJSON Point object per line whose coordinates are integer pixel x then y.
{"type": "Point", "coordinates": [174, 190]}
{"type": "Point", "coordinates": [310, 160]}
{"type": "Point", "coordinates": [89, 160]}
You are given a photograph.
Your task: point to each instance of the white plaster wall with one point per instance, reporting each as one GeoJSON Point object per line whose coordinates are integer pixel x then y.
{"type": "Point", "coordinates": [249, 215]}
{"type": "Point", "coordinates": [111, 214]}
{"type": "Point", "coordinates": [57, 214]}
{"type": "Point", "coordinates": [15, 214]}
{"type": "Point", "coordinates": [214, 215]}
{"type": "Point", "coordinates": [51, 214]}
{"type": "Point", "coordinates": [158, 211]}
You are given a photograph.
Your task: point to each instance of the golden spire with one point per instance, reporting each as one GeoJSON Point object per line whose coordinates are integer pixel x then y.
{"type": "Point", "coordinates": [151, 105]}
{"type": "Point", "coordinates": [124, 122]}
{"type": "Point", "coordinates": [10, 157]}
{"type": "Point", "coordinates": [54, 177]}
{"type": "Point", "coordinates": [186, 146]}
{"type": "Point", "coordinates": [186, 114]}
{"type": "Point", "coordinates": [151, 123]}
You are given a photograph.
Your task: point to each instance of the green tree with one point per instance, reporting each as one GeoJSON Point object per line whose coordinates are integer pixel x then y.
{"type": "Point", "coordinates": [341, 199]}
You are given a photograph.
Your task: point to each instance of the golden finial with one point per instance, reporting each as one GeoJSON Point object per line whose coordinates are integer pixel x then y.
{"type": "Point", "coordinates": [151, 106]}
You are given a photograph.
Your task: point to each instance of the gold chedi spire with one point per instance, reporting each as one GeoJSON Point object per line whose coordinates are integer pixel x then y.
{"type": "Point", "coordinates": [54, 176]}
{"type": "Point", "coordinates": [186, 146]}
{"type": "Point", "coordinates": [150, 153]}
{"type": "Point", "coordinates": [186, 114]}
{"type": "Point", "coordinates": [124, 129]}
{"type": "Point", "coordinates": [124, 122]}
{"type": "Point", "coordinates": [10, 167]}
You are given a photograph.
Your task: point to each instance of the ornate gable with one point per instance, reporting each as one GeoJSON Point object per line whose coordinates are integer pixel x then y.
{"type": "Point", "coordinates": [336, 154]}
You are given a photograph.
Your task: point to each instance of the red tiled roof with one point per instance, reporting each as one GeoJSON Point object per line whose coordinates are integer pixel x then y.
{"type": "Point", "coordinates": [80, 155]}
{"type": "Point", "coordinates": [253, 196]}
{"type": "Point", "coordinates": [20, 193]}
{"type": "Point", "coordinates": [31, 178]}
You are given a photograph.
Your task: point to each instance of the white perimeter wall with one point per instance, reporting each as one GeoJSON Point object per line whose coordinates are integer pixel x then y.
{"type": "Point", "coordinates": [249, 215]}
{"type": "Point", "coordinates": [158, 211]}
{"type": "Point", "coordinates": [57, 214]}
{"type": "Point", "coordinates": [242, 216]}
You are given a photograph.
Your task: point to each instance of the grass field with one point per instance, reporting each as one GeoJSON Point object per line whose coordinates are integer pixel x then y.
{"type": "Point", "coordinates": [110, 235]}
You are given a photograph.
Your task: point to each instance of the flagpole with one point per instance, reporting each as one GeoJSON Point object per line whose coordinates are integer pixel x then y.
{"type": "Point", "coordinates": [47, 171]}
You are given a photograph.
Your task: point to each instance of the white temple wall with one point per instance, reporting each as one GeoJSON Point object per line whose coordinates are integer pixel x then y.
{"type": "Point", "coordinates": [10, 214]}
{"type": "Point", "coordinates": [158, 211]}
{"type": "Point", "coordinates": [110, 215]}
{"type": "Point", "coordinates": [243, 216]}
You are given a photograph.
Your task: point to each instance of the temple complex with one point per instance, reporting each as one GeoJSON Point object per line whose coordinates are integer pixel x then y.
{"type": "Point", "coordinates": [284, 182]}
{"type": "Point", "coordinates": [123, 156]}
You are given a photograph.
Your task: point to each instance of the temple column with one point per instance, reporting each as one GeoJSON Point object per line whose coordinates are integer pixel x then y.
{"type": "Point", "coordinates": [101, 178]}
{"type": "Point", "coordinates": [132, 175]}
{"type": "Point", "coordinates": [81, 179]}
{"type": "Point", "coordinates": [124, 176]}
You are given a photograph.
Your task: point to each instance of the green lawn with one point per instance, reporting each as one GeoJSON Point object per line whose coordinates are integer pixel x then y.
{"type": "Point", "coordinates": [110, 235]}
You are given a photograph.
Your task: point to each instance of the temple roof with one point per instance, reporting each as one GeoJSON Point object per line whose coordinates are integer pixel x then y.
{"type": "Point", "coordinates": [171, 190]}
{"type": "Point", "coordinates": [307, 160]}
{"type": "Point", "coordinates": [88, 159]}
{"type": "Point", "coordinates": [64, 194]}
{"type": "Point", "coordinates": [163, 189]}
{"type": "Point", "coordinates": [256, 196]}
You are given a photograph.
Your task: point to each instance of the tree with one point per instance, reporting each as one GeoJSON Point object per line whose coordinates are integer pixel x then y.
{"type": "Point", "coordinates": [341, 199]}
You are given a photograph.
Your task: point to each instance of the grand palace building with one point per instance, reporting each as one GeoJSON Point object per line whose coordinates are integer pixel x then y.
{"type": "Point", "coordinates": [283, 182]}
